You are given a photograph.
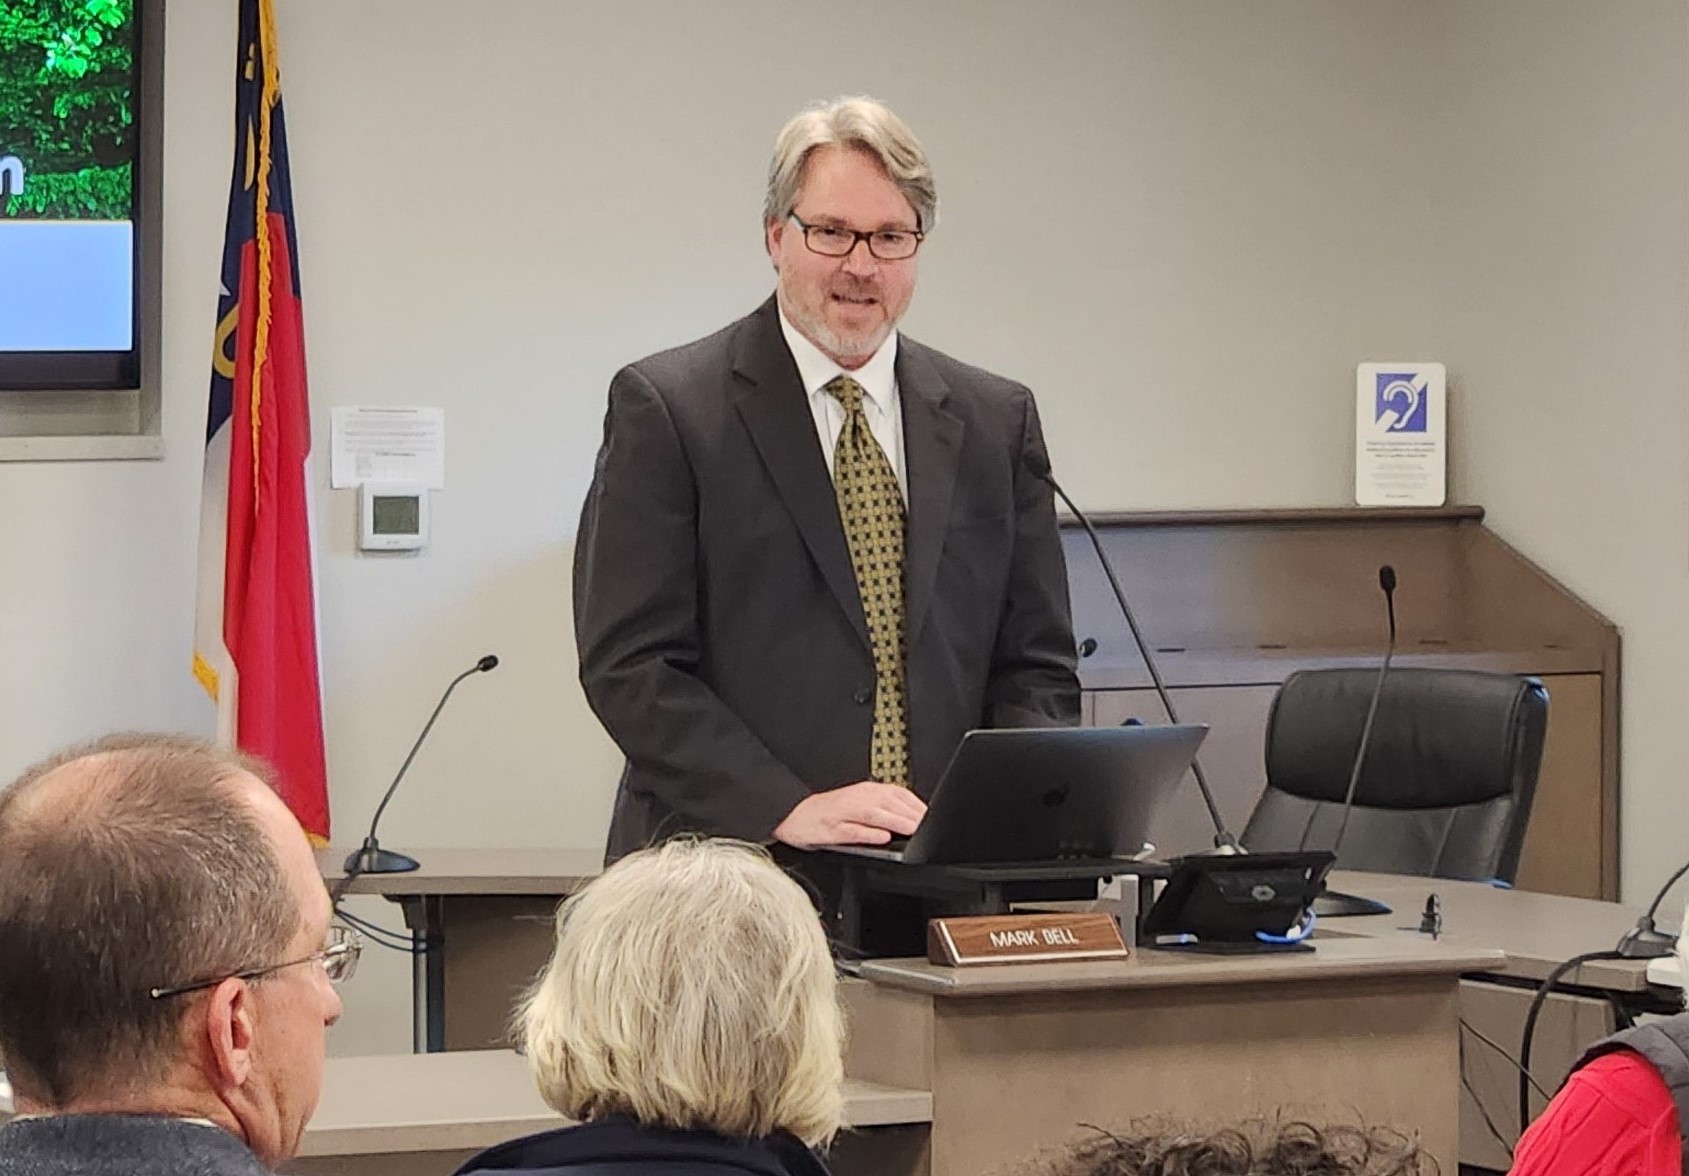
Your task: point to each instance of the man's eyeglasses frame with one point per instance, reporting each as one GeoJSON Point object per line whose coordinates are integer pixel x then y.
{"type": "Point", "coordinates": [339, 958]}
{"type": "Point", "coordinates": [809, 232]}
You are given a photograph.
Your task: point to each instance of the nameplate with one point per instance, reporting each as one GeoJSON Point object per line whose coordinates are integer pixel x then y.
{"type": "Point", "coordinates": [1024, 939]}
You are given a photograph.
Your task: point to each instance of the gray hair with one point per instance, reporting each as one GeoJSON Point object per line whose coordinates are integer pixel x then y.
{"type": "Point", "coordinates": [857, 122]}
{"type": "Point", "coordinates": [125, 864]}
{"type": "Point", "coordinates": [1255, 1147]}
{"type": "Point", "coordinates": [691, 987]}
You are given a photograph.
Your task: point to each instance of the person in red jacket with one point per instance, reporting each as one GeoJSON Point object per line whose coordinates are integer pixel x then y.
{"type": "Point", "coordinates": [1616, 1116]}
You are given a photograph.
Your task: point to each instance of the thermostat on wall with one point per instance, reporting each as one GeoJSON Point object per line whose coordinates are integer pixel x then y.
{"type": "Point", "coordinates": [393, 517]}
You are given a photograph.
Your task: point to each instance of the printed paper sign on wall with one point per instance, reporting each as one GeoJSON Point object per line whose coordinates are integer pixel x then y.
{"type": "Point", "coordinates": [1401, 451]}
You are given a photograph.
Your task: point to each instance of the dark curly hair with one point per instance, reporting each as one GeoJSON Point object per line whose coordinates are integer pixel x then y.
{"type": "Point", "coordinates": [1262, 1147]}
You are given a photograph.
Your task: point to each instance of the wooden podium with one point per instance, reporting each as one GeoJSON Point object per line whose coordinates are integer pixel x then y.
{"type": "Point", "coordinates": [1233, 601]}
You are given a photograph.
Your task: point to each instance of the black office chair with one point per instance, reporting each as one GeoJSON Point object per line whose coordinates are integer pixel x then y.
{"type": "Point", "coordinates": [1447, 783]}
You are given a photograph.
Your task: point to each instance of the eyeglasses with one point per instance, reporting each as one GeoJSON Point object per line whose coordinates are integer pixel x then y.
{"type": "Point", "coordinates": [339, 958]}
{"type": "Point", "coordinates": [885, 244]}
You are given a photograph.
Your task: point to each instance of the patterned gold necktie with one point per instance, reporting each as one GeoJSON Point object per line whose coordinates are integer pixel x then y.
{"type": "Point", "coordinates": [871, 508]}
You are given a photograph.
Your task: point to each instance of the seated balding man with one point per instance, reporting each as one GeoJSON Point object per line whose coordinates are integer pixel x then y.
{"type": "Point", "coordinates": [166, 964]}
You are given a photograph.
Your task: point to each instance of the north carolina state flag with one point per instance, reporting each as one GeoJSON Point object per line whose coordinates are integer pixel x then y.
{"type": "Point", "coordinates": [255, 641]}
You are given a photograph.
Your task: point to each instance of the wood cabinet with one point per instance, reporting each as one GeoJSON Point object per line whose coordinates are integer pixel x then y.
{"type": "Point", "coordinates": [1234, 602]}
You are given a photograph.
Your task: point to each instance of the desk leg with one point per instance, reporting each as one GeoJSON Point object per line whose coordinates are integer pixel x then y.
{"type": "Point", "coordinates": [847, 924]}
{"type": "Point", "coordinates": [1146, 899]}
{"type": "Point", "coordinates": [424, 915]}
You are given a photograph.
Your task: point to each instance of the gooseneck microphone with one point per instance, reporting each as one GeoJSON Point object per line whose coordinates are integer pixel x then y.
{"type": "Point", "coordinates": [1039, 467]}
{"type": "Point", "coordinates": [370, 858]}
{"type": "Point", "coordinates": [1645, 941]}
{"type": "Point", "coordinates": [1331, 903]}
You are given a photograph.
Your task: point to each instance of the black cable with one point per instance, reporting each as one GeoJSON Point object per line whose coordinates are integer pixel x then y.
{"type": "Point", "coordinates": [338, 890]}
{"type": "Point", "coordinates": [379, 935]}
{"type": "Point", "coordinates": [382, 936]}
{"type": "Point", "coordinates": [375, 929]}
{"type": "Point", "coordinates": [1489, 1122]}
{"type": "Point", "coordinates": [1502, 1050]}
{"type": "Point", "coordinates": [400, 941]}
{"type": "Point", "coordinates": [389, 944]}
{"type": "Point", "coordinates": [1543, 989]}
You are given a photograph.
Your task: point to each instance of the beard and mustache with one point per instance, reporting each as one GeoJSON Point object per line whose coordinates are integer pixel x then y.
{"type": "Point", "coordinates": [812, 321]}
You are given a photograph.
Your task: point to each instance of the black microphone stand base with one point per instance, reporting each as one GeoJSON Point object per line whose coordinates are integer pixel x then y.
{"type": "Point", "coordinates": [372, 859]}
{"type": "Point", "coordinates": [1332, 905]}
{"type": "Point", "coordinates": [1646, 943]}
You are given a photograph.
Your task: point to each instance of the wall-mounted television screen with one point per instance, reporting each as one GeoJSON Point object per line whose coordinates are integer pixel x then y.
{"type": "Point", "coordinates": [70, 134]}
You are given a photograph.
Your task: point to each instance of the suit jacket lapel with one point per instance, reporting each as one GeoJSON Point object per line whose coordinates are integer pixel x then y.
{"type": "Point", "coordinates": [932, 447]}
{"type": "Point", "coordinates": [769, 397]}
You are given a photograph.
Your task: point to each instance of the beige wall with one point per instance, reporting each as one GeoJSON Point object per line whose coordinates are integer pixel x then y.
{"type": "Point", "coordinates": [1182, 221]}
{"type": "Point", "coordinates": [1564, 240]}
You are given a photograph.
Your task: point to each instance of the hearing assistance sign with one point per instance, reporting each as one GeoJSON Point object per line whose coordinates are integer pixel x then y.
{"type": "Point", "coordinates": [1401, 434]}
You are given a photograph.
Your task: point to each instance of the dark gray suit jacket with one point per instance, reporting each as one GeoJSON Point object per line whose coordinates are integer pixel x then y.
{"type": "Point", "coordinates": [122, 1145]}
{"type": "Point", "coordinates": [721, 635]}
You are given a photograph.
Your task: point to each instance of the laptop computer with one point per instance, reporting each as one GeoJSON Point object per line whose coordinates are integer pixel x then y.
{"type": "Point", "coordinates": [1046, 794]}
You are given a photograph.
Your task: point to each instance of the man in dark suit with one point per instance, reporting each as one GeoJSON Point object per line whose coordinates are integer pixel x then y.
{"type": "Point", "coordinates": [814, 552]}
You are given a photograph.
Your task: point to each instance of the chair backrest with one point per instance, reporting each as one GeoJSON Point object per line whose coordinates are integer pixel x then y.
{"type": "Point", "coordinates": [1448, 780]}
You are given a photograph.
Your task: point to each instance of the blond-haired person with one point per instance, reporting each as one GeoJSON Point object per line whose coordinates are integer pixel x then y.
{"type": "Point", "coordinates": [688, 1019]}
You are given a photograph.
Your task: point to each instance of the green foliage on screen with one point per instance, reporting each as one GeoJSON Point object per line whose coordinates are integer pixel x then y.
{"type": "Point", "coordinates": [67, 73]}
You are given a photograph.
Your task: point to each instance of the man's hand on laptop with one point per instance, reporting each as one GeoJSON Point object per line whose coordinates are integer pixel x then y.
{"type": "Point", "coordinates": [864, 813]}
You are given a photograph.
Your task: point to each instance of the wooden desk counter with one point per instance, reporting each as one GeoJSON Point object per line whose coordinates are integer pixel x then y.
{"type": "Point", "coordinates": [494, 908]}
{"type": "Point", "coordinates": [1021, 1057]}
{"type": "Point", "coordinates": [1178, 1034]}
{"type": "Point", "coordinates": [1334, 959]}
{"type": "Point", "coordinates": [426, 1113]}
{"type": "Point", "coordinates": [527, 871]}
{"type": "Point", "coordinates": [1536, 931]}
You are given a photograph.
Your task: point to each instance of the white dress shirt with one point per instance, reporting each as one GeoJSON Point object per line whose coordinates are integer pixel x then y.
{"type": "Point", "coordinates": [880, 402]}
